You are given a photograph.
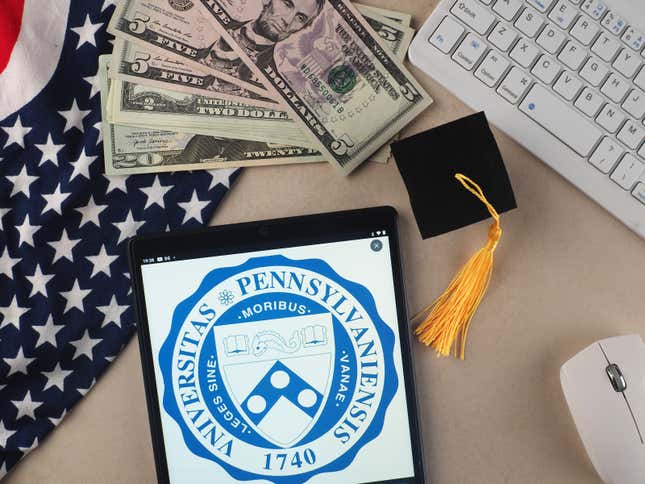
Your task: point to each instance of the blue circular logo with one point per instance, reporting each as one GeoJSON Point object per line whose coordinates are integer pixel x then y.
{"type": "Point", "coordinates": [278, 369]}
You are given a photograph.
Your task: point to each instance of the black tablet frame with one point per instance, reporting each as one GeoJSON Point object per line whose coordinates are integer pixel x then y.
{"type": "Point", "coordinates": [262, 235]}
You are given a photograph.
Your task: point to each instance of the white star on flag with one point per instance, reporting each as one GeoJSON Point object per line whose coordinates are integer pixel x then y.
{"type": "Point", "coordinates": [74, 117]}
{"type": "Point", "coordinates": [39, 281]}
{"type": "Point", "coordinates": [56, 377]}
{"type": "Point", "coordinates": [112, 312]}
{"type": "Point", "coordinates": [193, 208]}
{"type": "Point", "coordinates": [55, 201]}
{"type": "Point", "coordinates": [74, 297]}
{"type": "Point", "coordinates": [49, 151]}
{"type": "Point", "coordinates": [101, 262]}
{"type": "Point", "coordinates": [16, 133]}
{"type": "Point", "coordinates": [155, 193]}
{"type": "Point", "coordinates": [82, 166]}
{"type": "Point", "coordinates": [83, 391]}
{"type": "Point", "coordinates": [63, 247]}
{"type": "Point", "coordinates": [84, 346]}
{"type": "Point", "coordinates": [128, 227]}
{"type": "Point", "coordinates": [19, 363]}
{"type": "Point", "coordinates": [11, 314]}
{"type": "Point", "coordinates": [26, 407]}
{"type": "Point", "coordinates": [99, 128]}
{"type": "Point", "coordinates": [21, 181]}
{"type": "Point", "coordinates": [26, 232]}
{"type": "Point", "coordinates": [221, 176]}
{"type": "Point", "coordinates": [47, 332]}
{"type": "Point", "coordinates": [87, 32]}
{"type": "Point", "coordinates": [7, 263]}
{"type": "Point", "coordinates": [5, 434]}
{"type": "Point", "coordinates": [93, 81]}
{"type": "Point", "coordinates": [91, 212]}
{"type": "Point", "coordinates": [117, 182]}
{"type": "Point", "coordinates": [56, 420]}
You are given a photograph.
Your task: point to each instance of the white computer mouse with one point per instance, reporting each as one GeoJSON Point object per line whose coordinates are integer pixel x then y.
{"type": "Point", "coordinates": [604, 386]}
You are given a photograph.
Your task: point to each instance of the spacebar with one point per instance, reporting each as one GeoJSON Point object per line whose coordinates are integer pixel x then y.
{"type": "Point", "coordinates": [560, 120]}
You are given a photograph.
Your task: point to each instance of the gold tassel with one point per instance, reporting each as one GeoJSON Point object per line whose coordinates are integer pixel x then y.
{"type": "Point", "coordinates": [447, 319]}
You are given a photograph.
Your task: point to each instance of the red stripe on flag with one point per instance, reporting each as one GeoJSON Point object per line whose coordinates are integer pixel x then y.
{"type": "Point", "coordinates": [10, 21]}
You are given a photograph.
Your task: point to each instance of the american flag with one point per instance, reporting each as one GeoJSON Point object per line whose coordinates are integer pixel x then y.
{"type": "Point", "coordinates": [65, 297]}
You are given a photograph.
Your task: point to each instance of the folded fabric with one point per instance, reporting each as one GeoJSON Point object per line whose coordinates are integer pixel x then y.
{"type": "Point", "coordinates": [65, 300]}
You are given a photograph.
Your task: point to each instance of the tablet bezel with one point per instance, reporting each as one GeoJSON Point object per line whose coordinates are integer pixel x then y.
{"type": "Point", "coordinates": [262, 235]}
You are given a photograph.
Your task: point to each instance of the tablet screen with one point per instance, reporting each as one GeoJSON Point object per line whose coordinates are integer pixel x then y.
{"type": "Point", "coordinates": [280, 365]}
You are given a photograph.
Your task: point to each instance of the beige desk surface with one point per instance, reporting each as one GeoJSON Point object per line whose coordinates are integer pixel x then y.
{"type": "Point", "coordinates": [566, 274]}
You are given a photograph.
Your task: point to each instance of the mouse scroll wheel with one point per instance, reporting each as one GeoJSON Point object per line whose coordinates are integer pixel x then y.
{"type": "Point", "coordinates": [616, 378]}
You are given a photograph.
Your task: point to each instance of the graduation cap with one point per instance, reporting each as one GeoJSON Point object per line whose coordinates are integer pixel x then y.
{"type": "Point", "coordinates": [458, 167]}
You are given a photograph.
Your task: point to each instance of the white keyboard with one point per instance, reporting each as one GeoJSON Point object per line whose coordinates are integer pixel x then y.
{"type": "Point", "coordinates": [565, 78]}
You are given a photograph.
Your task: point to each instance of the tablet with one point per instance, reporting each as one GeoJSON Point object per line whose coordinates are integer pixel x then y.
{"type": "Point", "coordinates": [278, 352]}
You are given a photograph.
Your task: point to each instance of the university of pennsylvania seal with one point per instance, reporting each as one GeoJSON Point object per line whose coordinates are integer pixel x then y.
{"type": "Point", "coordinates": [278, 369]}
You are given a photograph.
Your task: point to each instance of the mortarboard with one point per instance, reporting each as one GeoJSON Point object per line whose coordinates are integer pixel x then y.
{"type": "Point", "coordinates": [458, 166]}
{"type": "Point", "coordinates": [429, 161]}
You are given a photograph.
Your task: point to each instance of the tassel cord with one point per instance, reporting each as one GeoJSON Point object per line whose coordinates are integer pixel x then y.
{"type": "Point", "coordinates": [448, 318]}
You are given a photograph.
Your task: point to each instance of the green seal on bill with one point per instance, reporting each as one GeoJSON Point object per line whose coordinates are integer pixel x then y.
{"type": "Point", "coordinates": [341, 79]}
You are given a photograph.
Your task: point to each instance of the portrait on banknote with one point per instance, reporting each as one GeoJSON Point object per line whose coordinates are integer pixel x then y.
{"type": "Point", "coordinates": [275, 22]}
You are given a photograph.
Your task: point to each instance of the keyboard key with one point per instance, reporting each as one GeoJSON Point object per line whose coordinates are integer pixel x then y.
{"type": "Point", "coordinates": [502, 36]}
{"type": "Point", "coordinates": [594, 71]}
{"type": "Point", "coordinates": [615, 88]}
{"type": "Point", "coordinates": [589, 102]}
{"type": "Point", "coordinates": [610, 118]}
{"type": "Point", "coordinates": [594, 8]}
{"type": "Point", "coordinates": [560, 120]}
{"type": "Point", "coordinates": [473, 14]}
{"type": "Point", "coordinates": [507, 8]}
{"type": "Point", "coordinates": [606, 47]}
{"type": "Point", "coordinates": [635, 103]}
{"type": "Point", "coordinates": [614, 23]}
{"type": "Point", "coordinates": [491, 69]}
{"type": "Point", "coordinates": [573, 55]}
{"type": "Point", "coordinates": [634, 39]}
{"type": "Point", "coordinates": [563, 14]}
{"type": "Point", "coordinates": [487, 2]}
{"type": "Point", "coordinates": [446, 35]}
{"type": "Point", "coordinates": [546, 69]}
{"type": "Point", "coordinates": [639, 192]}
{"type": "Point", "coordinates": [567, 86]}
{"type": "Point", "coordinates": [529, 22]}
{"type": "Point", "coordinates": [541, 5]}
{"type": "Point", "coordinates": [584, 30]}
{"type": "Point", "coordinates": [551, 38]}
{"type": "Point", "coordinates": [524, 52]}
{"type": "Point", "coordinates": [632, 134]}
{"type": "Point", "coordinates": [627, 172]}
{"type": "Point", "coordinates": [627, 63]}
{"type": "Point", "coordinates": [469, 51]}
{"type": "Point", "coordinates": [641, 153]}
{"type": "Point", "coordinates": [606, 155]}
{"type": "Point", "coordinates": [639, 80]}
{"type": "Point", "coordinates": [514, 85]}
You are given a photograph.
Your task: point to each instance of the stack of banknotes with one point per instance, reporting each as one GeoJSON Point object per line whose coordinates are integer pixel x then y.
{"type": "Point", "coordinates": [203, 84]}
